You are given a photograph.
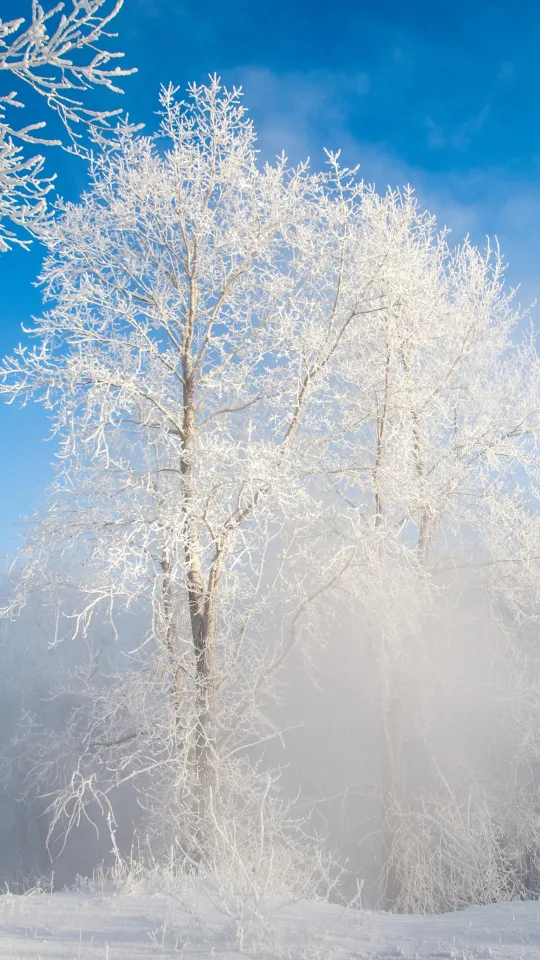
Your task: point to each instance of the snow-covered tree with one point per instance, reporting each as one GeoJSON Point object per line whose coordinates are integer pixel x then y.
{"type": "Point", "coordinates": [198, 305]}
{"type": "Point", "coordinates": [444, 464]}
{"type": "Point", "coordinates": [59, 54]}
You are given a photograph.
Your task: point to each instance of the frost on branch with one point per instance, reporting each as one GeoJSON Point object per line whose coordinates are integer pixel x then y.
{"type": "Point", "coordinates": [59, 54]}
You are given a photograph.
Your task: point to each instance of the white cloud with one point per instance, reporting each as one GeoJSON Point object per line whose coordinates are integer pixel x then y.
{"type": "Point", "coordinates": [291, 111]}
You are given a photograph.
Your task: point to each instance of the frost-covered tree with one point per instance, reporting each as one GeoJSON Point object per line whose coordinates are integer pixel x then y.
{"type": "Point", "coordinates": [58, 54]}
{"type": "Point", "coordinates": [198, 305]}
{"type": "Point", "coordinates": [444, 463]}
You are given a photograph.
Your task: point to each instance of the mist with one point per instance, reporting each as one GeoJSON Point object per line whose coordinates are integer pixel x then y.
{"type": "Point", "coordinates": [467, 745]}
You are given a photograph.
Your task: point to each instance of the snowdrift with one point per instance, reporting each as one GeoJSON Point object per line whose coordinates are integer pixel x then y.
{"type": "Point", "coordinates": [80, 926]}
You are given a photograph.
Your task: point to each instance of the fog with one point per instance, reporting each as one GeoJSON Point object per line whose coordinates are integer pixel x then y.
{"type": "Point", "coordinates": [463, 728]}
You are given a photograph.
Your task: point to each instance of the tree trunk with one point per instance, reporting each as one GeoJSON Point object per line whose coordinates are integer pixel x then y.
{"type": "Point", "coordinates": [171, 640]}
{"type": "Point", "coordinates": [392, 788]}
{"type": "Point", "coordinates": [205, 735]}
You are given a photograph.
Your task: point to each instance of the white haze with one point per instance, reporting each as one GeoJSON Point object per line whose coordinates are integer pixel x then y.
{"type": "Point", "coordinates": [457, 730]}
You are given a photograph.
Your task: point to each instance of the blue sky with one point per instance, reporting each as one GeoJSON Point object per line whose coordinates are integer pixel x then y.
{"type": "Point", "coordinates": [441, 95]}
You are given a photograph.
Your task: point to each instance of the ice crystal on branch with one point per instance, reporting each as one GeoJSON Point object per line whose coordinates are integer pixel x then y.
{"type": "Point", "coordinates": [58, 54]}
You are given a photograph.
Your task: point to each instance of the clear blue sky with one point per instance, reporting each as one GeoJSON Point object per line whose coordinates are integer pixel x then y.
{"type": "Point", "coordinates": [444, 95]}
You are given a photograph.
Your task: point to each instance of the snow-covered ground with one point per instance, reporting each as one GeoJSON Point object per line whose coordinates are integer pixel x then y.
{"type": "Point", "coordinates": [79, 926]}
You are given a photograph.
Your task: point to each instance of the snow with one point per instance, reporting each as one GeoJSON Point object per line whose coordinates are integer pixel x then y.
{"type": "Point", "coordinates": [84, 926]}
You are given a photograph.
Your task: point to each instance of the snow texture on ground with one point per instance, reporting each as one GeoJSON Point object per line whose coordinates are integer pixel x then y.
{"type": "Point", "coordinates": [79, 926]}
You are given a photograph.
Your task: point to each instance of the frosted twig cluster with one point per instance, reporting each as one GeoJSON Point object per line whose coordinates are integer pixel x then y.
{"type": "Point", "coordinates": [58, 54]}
